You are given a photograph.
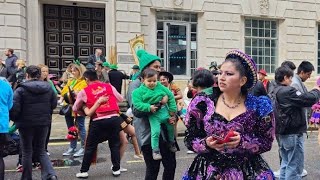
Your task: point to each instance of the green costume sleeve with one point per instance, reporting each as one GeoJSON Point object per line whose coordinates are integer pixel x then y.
{"type": "Point", "coordinates": [171, 102]}
{"type": "Point", "coordinates": [137, 100]}
{"type": "Point", "coordinates": [53, 87]}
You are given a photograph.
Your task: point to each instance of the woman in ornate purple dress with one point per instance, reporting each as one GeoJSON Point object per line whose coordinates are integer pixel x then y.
{"type": "Point", "coordinates": [230, 108]}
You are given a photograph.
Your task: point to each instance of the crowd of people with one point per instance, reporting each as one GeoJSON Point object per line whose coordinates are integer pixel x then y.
{"type": "Point", "coordinates": [233, 115]}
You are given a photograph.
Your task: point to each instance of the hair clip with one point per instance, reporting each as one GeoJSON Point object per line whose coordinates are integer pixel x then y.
{"type": "Point", "coordinates": [77, 62]}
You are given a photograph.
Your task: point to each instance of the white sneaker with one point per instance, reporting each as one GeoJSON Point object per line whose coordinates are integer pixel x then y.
{"type": "Point", "coordinates": [79, 153]}
{"type": "Point", "coordinates": [121, 169]}
{"type": "Point", "coordinates": [304, 173]}
{"type": "Point", "coordinates": [48, 153]}
{"type": "Point", "coordinates": [190, 152]}
{"type": "Point", "coordinates": [140, 156]}
{"type": "Point", "coordinates": [116, 173]}
{"type": "Point", "coordinates": [69, 152]}
{"type": "Point", "coordinates": [83, 175]}
{"type": "Point", "coordinates": [277, 174]}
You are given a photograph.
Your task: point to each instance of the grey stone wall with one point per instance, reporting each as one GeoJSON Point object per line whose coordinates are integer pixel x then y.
{"type": "Point", "coordinates": [13, 27]}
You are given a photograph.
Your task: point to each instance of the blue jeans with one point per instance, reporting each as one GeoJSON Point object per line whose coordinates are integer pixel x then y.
{"type": "Point", "coordinates": [37, 136]}
{"type": "Point", "coordinates": [82, 129]}
{"type": "Point", "coordinates": [292, 154]}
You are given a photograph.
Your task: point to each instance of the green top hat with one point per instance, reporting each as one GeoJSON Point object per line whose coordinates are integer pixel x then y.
{"type": "Point", "coordinates": [105, 64]}
{"type": "Point", "coordinates": [113, 66]}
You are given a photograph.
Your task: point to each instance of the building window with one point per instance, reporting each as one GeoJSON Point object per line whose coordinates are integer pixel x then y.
{"type": "Point", "coordinates": [177, 41]}
{"type": "Point", "coordinates": [261, 41]}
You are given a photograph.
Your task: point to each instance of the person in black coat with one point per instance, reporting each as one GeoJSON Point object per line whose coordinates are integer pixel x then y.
{"type": "Point", "coordinates": [33, 103]}
{"type": "Point", "coordinates": [116, 77]}
{"type": "Point", "coordinates": [291, 123]}
{"type": "Point", "coordinates": [259, 90]}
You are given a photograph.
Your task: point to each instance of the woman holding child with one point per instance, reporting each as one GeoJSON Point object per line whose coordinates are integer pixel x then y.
{"type": "Point", "coordinates": [142, 127]}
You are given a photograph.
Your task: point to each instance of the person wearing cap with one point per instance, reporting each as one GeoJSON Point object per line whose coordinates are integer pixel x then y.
{"type": "Point", "coordinates": [134, 73]}
{"type": "Point", "coordinates": [213, 66]}
{"type": "Point", "coordinates": [76, 84]}
{"type": "Point", "coordinates": [101, 73]}
{"type": "Point", "coordinates": [116, 77]}
{"type": "Point", "coordinates": [143, 131]}
{"type": "Point", "coordinates": [262, 74]}
{"type": "Point", "coordinates": [149, 98]}
{"type": "Point", "coordinates": [229, 129]}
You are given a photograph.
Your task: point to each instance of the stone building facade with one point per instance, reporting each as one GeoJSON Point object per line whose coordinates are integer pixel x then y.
{"type": "Point", "coordinates": [186, 33]}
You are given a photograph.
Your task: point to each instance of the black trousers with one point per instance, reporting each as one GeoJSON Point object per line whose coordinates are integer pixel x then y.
{"type": "Point", "coordinates": [99, 131]}
{"type": "Point", "coordinates": [278, 142]}
{"type": "Point", "coordinates": [48, 138]}
{"type": "Point", "coordinates": [153, 166]}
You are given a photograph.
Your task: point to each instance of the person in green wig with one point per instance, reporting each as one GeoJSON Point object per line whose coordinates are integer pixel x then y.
{"type": "Point", "coordinates": [143, 130]}
{"type": "Point", "coordinates": [149, 98]}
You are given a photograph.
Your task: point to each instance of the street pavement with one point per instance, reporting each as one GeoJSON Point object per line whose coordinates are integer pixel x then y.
{"type": "Point", "coordinates": [136, 168]}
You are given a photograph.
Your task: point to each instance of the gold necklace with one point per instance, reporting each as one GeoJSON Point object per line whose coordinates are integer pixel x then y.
{"type": "Point", "coordinates": [231, 107]}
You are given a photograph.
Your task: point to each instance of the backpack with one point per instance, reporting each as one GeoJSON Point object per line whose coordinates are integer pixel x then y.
{"type": "Point", "coordinates": [281, 119]}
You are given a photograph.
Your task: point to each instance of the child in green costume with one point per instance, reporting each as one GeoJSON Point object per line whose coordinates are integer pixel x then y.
{"type": "Point", "coordinates": [148, 98]}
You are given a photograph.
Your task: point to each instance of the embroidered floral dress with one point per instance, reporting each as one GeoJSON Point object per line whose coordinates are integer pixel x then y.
{"type": "Point", "coordinates": [244, 162]}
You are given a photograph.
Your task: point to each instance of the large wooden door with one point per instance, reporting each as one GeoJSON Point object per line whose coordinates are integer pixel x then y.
{"type": "Point", "coordinates": [72, 33]}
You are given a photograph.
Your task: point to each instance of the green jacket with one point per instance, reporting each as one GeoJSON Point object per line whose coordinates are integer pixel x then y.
{"type": "Point", "coordinates": [143, 97]}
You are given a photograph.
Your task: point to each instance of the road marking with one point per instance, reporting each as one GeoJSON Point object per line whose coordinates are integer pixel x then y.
{"type": "Point", "coordinates": [178, 158]}
{"type": "Point", "coordinates": [59, 143]}
{"type": "Point", "coordinates": [63, 167]}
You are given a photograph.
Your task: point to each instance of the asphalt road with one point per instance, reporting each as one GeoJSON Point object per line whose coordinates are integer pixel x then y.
{"type": "Point", "coordinates": [136, 168]}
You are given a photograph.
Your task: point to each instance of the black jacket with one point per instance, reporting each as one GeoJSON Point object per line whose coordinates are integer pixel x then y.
{"type": "Point", "coordinates": [291, 101]}
{"type": "Point", "coordinates": [11, 64]}
{"type": "Point", "coordinates": [259, 90]}
{"type": "Point", "coordinates": [33, 103]}
{"type": "Point", "coordinates": [115, 78]}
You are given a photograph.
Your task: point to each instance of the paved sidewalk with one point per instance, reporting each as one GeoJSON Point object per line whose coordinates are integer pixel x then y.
{"type": "Point", "coordinates": [59, 128]}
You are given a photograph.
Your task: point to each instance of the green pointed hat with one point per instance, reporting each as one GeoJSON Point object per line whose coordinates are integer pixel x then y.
{"type": "Point", "coordinates": [146, 59]}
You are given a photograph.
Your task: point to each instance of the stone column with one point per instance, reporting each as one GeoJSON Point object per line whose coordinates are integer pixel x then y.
{"type": "Point", "coordinates": [13, 27]}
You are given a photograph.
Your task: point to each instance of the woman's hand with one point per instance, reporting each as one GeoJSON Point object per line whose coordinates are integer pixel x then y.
{"type": "Point", "coordinates": [213, 144]}
{"type": "Point", "coordinates": [234, 141]}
